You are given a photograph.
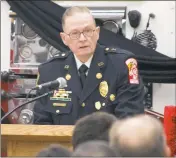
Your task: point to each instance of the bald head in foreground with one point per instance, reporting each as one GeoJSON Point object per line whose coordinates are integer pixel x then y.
{"type": "Point", "coordinates": [142, 136]}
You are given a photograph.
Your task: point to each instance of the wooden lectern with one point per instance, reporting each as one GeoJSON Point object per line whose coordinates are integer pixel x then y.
{"type": "Point", "coordinates": [27, 140]}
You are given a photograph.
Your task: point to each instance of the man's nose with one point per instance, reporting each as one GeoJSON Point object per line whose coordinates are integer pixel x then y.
{"type": "Point", "coordinates": [82, 37]}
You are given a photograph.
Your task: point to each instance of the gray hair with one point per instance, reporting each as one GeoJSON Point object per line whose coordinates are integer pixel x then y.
{"type": "Point", "coordinates": [72, 10]}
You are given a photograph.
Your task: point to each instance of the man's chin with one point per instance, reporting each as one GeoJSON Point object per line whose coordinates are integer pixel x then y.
{"type": "Point", "coordinates": [84, 53]}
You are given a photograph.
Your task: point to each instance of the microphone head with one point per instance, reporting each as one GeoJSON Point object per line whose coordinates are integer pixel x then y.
{"type": "Point", "coordinates": [62, 81]}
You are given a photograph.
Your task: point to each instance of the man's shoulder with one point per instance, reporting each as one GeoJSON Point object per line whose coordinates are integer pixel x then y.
{"type": "Point", "coordinates": [60, 57]}
{"type": "Point", "coordinates": [120, 57]}
{"type": "Point", "coordinates": [117, 52]}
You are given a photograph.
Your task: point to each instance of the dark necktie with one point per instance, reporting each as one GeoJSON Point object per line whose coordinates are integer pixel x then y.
{"type": "Point", "coordinates": [82, 72]}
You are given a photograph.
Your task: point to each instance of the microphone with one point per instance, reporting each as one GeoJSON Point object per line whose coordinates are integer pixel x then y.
{"type": "Point", "coordinates": [59, 82]}
{"type": "Point", "coordinates": [7, 96]}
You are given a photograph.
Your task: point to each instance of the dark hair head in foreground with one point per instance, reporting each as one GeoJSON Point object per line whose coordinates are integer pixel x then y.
{"type": "Point", "coordinates": [95, 126]}
{"type": "Point", "coordinates": [54, 150]}
{"type": "Point", "coordinates": [94, 149]}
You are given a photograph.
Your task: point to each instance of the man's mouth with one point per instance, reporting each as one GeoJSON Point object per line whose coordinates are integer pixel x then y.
{"type": "Point", "coordinates": [82, 47]}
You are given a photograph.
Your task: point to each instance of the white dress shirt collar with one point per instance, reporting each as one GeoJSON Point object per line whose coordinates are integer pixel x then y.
{"type": "Point", "coordinates": [79, 63]}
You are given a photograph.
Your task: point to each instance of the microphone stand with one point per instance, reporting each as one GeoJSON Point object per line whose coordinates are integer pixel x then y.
{"type": "Point", "coordinates": [36, 98]}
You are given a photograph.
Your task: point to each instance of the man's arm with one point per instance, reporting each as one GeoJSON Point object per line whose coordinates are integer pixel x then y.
{"type": "Point", "coordinates": [130, 90]}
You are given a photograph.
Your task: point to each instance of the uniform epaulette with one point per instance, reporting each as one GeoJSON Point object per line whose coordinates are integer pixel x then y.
{"type": "Point", "coordinates": [117, 50]}
{"type": "Point", "coordinates": [61, 55]}
{"type": "Point", "coordinates": [111, 50]}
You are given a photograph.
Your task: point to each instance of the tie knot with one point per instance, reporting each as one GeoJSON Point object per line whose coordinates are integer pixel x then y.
{"type": "Point", "coordinates": [83, 68]}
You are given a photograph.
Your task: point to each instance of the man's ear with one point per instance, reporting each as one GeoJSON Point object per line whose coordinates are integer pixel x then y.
{"type": "Point", "coordinates": [98, 32]}
{"type": "Point", "coordinates": [63, 37]}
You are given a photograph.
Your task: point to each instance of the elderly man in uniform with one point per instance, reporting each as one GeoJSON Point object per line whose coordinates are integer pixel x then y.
{"type": "Point", "coordinates": [99, 78]}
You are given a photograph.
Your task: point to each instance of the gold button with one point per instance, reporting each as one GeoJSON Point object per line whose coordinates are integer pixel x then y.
{"type": "Point", "coordinates": [98, 75]}
{"type": "Point", "coordinates": [112, 97]}
{"type": "Point", "coordinates": [83, 104]}
{"type": "Point", "coordinates": [68, 77]}
{"type": "Point", "coordinates": [57, 111]}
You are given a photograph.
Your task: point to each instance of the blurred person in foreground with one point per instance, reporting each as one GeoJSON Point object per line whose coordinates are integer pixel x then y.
{"type": "Point", "coordinates": [140, 136]}
{"type": "Point", "coordinates": [54, 150]}
{"type": "Point", "coordinates": [95, 126]}
{"type": "Point", "coordinates": [94, 149]}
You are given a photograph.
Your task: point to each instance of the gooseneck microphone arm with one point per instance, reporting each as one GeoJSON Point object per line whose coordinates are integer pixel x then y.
{"type": "Point", "coordinates": [36, 98]}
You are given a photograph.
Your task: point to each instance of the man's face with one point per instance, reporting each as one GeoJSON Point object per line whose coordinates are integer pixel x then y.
{"type": "Point", "coordinates": [80, 23]}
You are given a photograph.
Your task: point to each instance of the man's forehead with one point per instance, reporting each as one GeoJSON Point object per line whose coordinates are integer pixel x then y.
{"type": "Point", "coordinates": [79, 21]}
{"type": "Point", "coordinates": [80, 15]}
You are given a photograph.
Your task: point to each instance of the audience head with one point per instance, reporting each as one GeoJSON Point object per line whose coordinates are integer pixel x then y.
{"type": "Point", "coordinates": [54, 150]}
{"type": "Point", "coordinates": [92, 127]}
{"type": "Point", "coordinates": [142, 136]}
{"type": "Point", "coordinates": [94, 149]}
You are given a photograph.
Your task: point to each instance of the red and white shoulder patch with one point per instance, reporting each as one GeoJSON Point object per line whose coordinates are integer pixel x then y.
{"type": "Point", "coordinates": [132, 71]}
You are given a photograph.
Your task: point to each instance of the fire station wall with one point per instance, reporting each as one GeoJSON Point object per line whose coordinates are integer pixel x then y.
{"type": "Point", "coordinates": [163, 26]}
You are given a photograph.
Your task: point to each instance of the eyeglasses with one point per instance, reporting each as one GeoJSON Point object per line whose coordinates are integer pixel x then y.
{"type": "Point", "coordinates": [76, 35]}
